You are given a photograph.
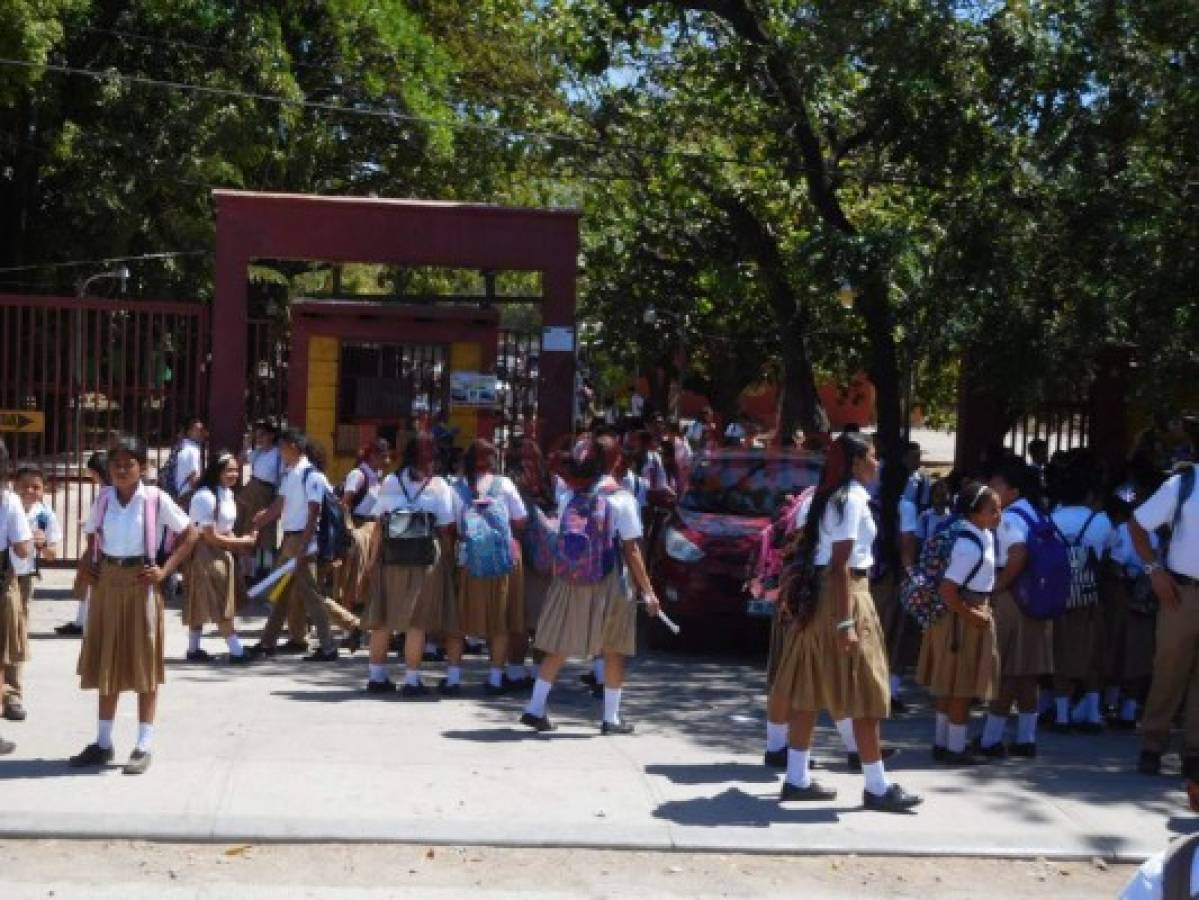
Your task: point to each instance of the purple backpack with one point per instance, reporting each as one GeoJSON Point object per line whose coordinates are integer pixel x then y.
{"type": "Point", "coordinates": [585, 552]}
{"type": "Point", "coordinates": [1042, 590]}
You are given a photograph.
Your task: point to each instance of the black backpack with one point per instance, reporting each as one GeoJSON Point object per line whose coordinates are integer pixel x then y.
{"type": "Point", "coordinates": [332, 533]}
{"type": "Point", "coordinates": [409, 535]}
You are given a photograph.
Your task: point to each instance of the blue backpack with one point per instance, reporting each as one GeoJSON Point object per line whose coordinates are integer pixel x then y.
{"type": "Point", "coordinates": [1042, 590]}
{"type": "Point", "coordinates": [486, 535]}
{"type": "Point", "coordinates": [332, 533]}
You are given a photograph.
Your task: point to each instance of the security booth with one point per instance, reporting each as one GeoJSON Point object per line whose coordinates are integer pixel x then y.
{"type": "Point", "coordinates": [361, 371]}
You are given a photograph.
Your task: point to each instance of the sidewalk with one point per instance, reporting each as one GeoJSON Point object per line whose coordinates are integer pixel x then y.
{"type": "Point", "coordinates": [285, 751]}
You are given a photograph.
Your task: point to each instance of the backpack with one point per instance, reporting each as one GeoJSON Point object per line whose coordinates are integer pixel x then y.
{"type": "Point", "coordinates": [355, 498]}
{"type": "Point", "coordinates": [540, 539]}
{"type": "Point", "coordinates": [1042, 590]}
{"type": "Point", "coordinates": [333, 537]}
{"type": "Point", "coordinates": [585, 552]}
{"type": "Point", "coordinates": [153, 498]}
{"type": "Point", "coordinates": [168, 470]}
{"type": "Point", "coordinates": [409, 535]}
{"type": "Point", "coordinates": [920, 595]}
{"type": "Point", "coordinates": [1084, 575]}
{"type": "Point", "coordinates": [486, 540]}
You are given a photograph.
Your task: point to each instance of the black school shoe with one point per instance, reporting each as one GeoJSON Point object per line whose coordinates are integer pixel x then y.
{"type": "Point", "coordinates": [775, 759]}
{"type": "Point", "coordinates": [1149, 763]}
{"type": "Point", "coordinates": [517, 685]}
{"type": "Point", "coordinates": [92, 755]}
{"type": "Point", "coordinates": [608, 728]}
{"type": "Point", "coordinates": [412, 691]}
{"type": "Point", "coordinates": [322, 656]}
{"type": "Point", "coordinates": [199, 656]}
{"type": "Point", "coordinates": [69, 629]}
{"type": "Point", "coordinates": [14, 711]}
{"type": "Point", "coordinates": [938, 753]}
{"type": "Point", "coordinates": [139, 762]}
{"type": "Point", "coordinates": [815, 791]}
{"type": "Point", "coordinates": [292, 648]}
{"type": "Point", "coordinates": [1022, 751]}
{"type": "Point", "coordinates": [995, 751]}
{"type": "Point", "coordinates": [260, 651]}
{"type": "Point", "coordinates": [895, 800]}
{"type": "Point", "coordinates": [961, 760]}
{"type": "Point", "coordinates": [238, 659]}
{"type": "Point", "coordinates": [448, 690]}
{"type": "Point", "coordinates": [494, 690]}
{"type": "Point", "coordinates": [537, 723]}
{"type": "Point", "coordinates": [6, 747]}
{"type": "Point", "coordinates": [855, 759]}
{"type": "Point", "coordinates": [387, 686]}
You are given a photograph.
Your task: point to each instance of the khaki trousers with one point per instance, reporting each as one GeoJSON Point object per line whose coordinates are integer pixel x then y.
{"type": "Point", "coordinates": [1175, 675]}
{"type": "Point", "coordinates": [12, 674]}
{"type": "Point", "coordinates": [302, 598]}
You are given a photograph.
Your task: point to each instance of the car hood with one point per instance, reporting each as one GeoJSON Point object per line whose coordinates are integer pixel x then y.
{"type": "Point", "coordinates": [713, 525]}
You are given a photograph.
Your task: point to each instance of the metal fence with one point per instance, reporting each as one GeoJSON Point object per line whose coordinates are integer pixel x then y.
{"type": "Point", "coordinates": [268, 348]}
{"type": "Point", "coordinates": [517, 366]}
{"type": "Point", "coordinates": [1063, 426]}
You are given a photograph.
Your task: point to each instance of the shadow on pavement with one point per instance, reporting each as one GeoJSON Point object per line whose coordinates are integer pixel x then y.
{"type": "Point", "coordinates": [734, 807]}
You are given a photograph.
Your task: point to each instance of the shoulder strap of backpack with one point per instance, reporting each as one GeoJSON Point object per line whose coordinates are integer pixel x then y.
{"type": "Point", "coordinates": [1186, 487]}
{"type": "Point", "coordinates": [151, 501]}
{"type": "Point", "coordinates": [1085, 525]}
{"type": "Point", "coordinates": [982, 555]}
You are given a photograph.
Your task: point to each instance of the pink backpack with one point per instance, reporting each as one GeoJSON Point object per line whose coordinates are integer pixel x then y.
{"type": "Point", "coordinates": [585, 552]}
{"type": "Point", "coordinates": [767, 564]}
{"type": "Point", "coordinates": [151, 548]}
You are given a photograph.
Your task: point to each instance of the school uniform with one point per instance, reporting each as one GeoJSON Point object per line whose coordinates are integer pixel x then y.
{"type": "Point", "coordinates": [813, 671]}
{"type": "Point", "coordinates": [188, 462]}
{"type": "Point", "coordinates": [959, 660]}
{"type": "Point", "coordinates": [1175, 673]}
{"type": "Point", "coordinates": [584, 620]}
{"type": "Point", "coordinates": [1078, 641]}
{"type": "Point", "coordinates": [488, 606]}
{"type": "Point", "coordinates": [40, 518]}
{"type": "Point", "coordinates": [537, 584]}
{"type": "Point", "coordinates": [266, 474]}
{"type": "Point", "coordinates": [1128, 632]}
{"type": "Point", "coordinates": [14, 636]}
{"type": "Point", "coordinates": [1025, 644]}
{"type": "Point", "coordinates": [364, 517]}
{"type": "Point", "coordinates": [123, 641]}
{"type": "Point", "coordinates": [402, 597]}
{"type": "Point", "coordinates": [212, 574]}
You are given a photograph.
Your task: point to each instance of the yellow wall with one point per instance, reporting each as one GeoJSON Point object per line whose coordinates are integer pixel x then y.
{"type": "Point", "coordinates": [465, 358]}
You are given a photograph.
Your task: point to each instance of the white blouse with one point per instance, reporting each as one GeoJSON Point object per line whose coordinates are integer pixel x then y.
{"type": "Point", "coordinates": [123, 531]}
{"type": "Point", "coordinates": [218, 511]}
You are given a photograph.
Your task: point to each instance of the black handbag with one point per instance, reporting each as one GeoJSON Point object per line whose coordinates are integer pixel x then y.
{"type": "Point", "coordinates": [409, 535]}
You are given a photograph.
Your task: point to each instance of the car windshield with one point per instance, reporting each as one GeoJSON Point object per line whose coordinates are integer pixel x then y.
{"type": "Point", "coordinates": [746, 485]}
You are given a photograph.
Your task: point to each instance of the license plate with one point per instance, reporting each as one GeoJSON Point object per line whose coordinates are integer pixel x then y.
{"type": "Point", "coordinates": [760, 608]}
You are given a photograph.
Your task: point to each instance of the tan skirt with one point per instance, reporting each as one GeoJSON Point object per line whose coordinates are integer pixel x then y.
{"type": "Point", "coordinates": [537, 586]}
{"type": "Point", "coordinates": [958, 660]}
{"type": "Point", "coordinates": [1025, 644]}
{"type": "Point", "coordinates": [211, 589]}
{"type": "Point", "coordinates": [14, 637]}
{"type": "Point", "coordinates": [402, 597]}
{"type": "Point", "coordinates": [123, 640]}
{"type": "Point", "coordinates": [252, 499]}
{"type": "Point", "coordinates": [1130, 636]}
{"type": "Point", "coordinates": [581, 621]}
{"type": "Point", "coordinates": [778, 640]}
{"type": "Point", "coordinates": [484, 604]}
{"type": "Point", "coordinates": [1078, 643]}
{"type": "Point", "coordinates": [351, 569]}
{"type": "Point", "coordinates": [817, 675]}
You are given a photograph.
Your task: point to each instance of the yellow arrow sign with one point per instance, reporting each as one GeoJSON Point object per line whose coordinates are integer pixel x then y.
{"type": "Point", "coordinates": [24, 421]}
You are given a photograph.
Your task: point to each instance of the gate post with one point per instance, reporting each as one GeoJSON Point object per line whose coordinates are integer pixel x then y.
{"type": "Point", "coordinates": [227, 385]}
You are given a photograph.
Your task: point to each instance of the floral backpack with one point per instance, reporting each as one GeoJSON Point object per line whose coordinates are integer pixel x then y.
{"type": "Point", "coordinates": [585, 552]}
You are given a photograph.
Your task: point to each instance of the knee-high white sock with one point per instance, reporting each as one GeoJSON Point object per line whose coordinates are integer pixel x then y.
{"type": "Point", "coordinates": [541, 693]}
{"type": "Point", "coordinates": [1026, 728]}
{"type": "Point", "coordinates": [453, 675]}
{"type": "Point", "coordinates": [776, 736]}
{"type": "Point", "coordinates": [1063, 710]}
{"type": "Point", "coordinates": [145, 734]}
{"type": "Point", "coordinates": [799, 768]}
{"type": "Point", "coordinates": [377, 673]}
{"type": "Point", "coordinates": [193, 640]}
{"type": "Point", "coordinates": [598, 669]}
{"type": "Point", "coordinates": [1093, 714]}
{"type": "Point", "coordinates": [612, 705]}
{"type": "Point", "coordinates": [876, 778]}
{"type": "Point", "coordinates": [495, 676]}
{"type": "Point", "coordinates": [234, 643]}
{"type": "Point", "coordinates": [993, 730]}
{"type": "Point", "coordinates": [104, 734]}
{"type": "Point", "coordinates": [941, 730]}
{"type": "Point", "coordinates": [845, 729]}
{"type": "Point", "coordinates": [412, 677]}
{"type": "Point", "coordinates": [957, 738]}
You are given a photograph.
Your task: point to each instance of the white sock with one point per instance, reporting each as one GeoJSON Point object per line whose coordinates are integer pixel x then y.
{"type": "Point", "coordinates": [598, 668]}
{"type": "Point", "coordinates": [1092, 712]}
{"type": "Point", "coordinates": [495, 676]}
{"type": "Point", "coordinates": [1128, 710]}
{"type": "Point", "coordinates": [104, 738]}
{"type": "Point", "coordinates": [81, 614]}
{"type": "Point", "coordinates": [776, 736]}
{"type": "Point", "coordinates": [896, 685]}
{"type": "Point", "coordinates": [412, 677]}
{"type": "Point", "coordinates": [1063, 710]}
{"type": "Point", "coordinates": [145, 734]}
{"type": "Point", "coordinates": [941, 732]}
{"type": "Point", "coordinates": [993, 730]}
{"type": "Point", "coordinates": [235, 647]}
{"type": "Point", "coordinates": [845, 729]}
{"type": "Point", "coordinates": [193, 640]}
{"type": "Point", "coordinates": [957, 738]}
{"type": "Point", "coordinates": [799, 767]}
{"type": "Point", "coordinates": [515, 672]}
{"type": "Point", "coordinates": [612, 705]}
{"type": "Point", "coordinates": [378, 673]}
{"type": "Point", "coordinates": [541, 693]}
{"type": "Point", "coordinates": [1026, 728]}
{"type": "Point", "coordinates": [453, 675]}
{"type": "Point", "coordinates": [876, 778]}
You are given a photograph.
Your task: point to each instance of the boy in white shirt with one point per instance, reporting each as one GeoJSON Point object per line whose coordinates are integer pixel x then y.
{"type": "Point", "coordinates": [16, 540]}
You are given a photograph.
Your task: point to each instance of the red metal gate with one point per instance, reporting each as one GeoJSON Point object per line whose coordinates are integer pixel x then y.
{"type": "Point", "coordinates": [269, 343]}
{"type": "Point", "coordinates": [517, 367]}
{"type": "Point", "coordinates": [95, 368]}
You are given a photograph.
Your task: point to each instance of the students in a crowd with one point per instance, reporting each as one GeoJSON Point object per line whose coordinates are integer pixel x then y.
{"type": "Point", "coordinates": [213, 580]}
{"type": "Point", "coordinates": [30, 485]}
{"type": "Point", "coordinates": [958, 659]}
{"type": "Point", "coordinates": [359, 496]}
{"type": "Point", "coordinates": [123, 641]}
{"type": "Point", "coordinates": [97, 472]}
{"type": "Point", "coordinates": [489, 596]}
{"type": "Point", "coordinates": [1025, 644]}
{"type": "Point", "coordinates": [407, 573]}
{"type": "Point", "coordinates": [590, 608]}
{"type": "Point", "coordinates": [834, 657]}
{"type": "Point", "coordinates": [1130, 617]}
{"type": "Point", "coordinates": [189, 463]}
{"type": "Point", "coordinates": [266, 474]}
{"type": "Point", "coordinates": [16, 542]}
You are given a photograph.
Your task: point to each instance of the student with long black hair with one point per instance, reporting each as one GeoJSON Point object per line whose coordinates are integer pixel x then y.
{"type": "Point", "coordinates": [15, 538]}
{"type": "Point", "coordinates": [834, 657]}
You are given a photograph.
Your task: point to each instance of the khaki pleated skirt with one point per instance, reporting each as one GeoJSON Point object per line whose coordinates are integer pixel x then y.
{"type": "Point", "coordinates": [816, 674]}
{"type": "Point", "coordinates": [1078, 643]}
{"type": "Point", "coordinates": [211, 587]}
{"type": "Point", "coordinates": [399, 598]}
{"type": "Point", "coordinates": [958, 660]}
{"type": "Point", "coordinates": [581, 621]}
{"type": "Point", "coordinates": [123, 640]}
{"type": "Point", "coordinates": [1130, 636]}
{"type": "Point", "coordinates": [778, 641]}
{"type": "Point", "coordinates": [351, 569]}
{"type": "Point", "coordinates": [490, 606]}
{"type": "Point", "coordinates": [537, 586]}
{"type": "Point", "coordinates": [1025, 644]}
{"type": "Point", "coordinates": [14, 637]}
{"type": "Point", "coordinates": [253, 497]}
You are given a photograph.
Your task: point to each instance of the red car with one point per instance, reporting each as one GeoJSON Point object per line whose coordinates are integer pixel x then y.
{"type": "Point", "coordinates": [702, 554]}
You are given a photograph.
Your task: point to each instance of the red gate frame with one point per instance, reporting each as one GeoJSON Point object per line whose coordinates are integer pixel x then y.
{"type": "Point", "coordinates": [394, 232]}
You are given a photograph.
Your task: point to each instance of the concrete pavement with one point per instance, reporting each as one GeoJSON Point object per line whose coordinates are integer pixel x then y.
{"type": "Point", "coordinates": [289, 751]}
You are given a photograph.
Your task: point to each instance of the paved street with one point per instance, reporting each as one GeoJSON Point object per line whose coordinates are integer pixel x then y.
{"type": "Point", "coordinates": [286, 751]}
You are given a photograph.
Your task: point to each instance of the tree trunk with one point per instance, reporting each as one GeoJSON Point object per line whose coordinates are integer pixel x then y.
{"type": "Point", "coordinates": [799, 404]}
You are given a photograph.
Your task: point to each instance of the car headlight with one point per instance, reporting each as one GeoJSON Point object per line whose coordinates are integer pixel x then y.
{"type": "Point", "coordinates": [678, 547]}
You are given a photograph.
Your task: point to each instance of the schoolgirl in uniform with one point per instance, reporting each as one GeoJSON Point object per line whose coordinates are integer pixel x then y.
{"type": "Point", "coordinates": [97, 472]}
{"type": "Point", "coordinates": [123, 639]}
{"type": "Point", "coordinates": [1025, 644]}
{"type": "Point", "coordinates": [212, 574]}
{"type": "Point", "coordinates": [408, 599]}
{"type": "Point", "coordinates": [359, 496]}
{"type": "Point", "coordinates": [16, 542]}
{"type": "Point", "coordinates": [489, 606]}
{"type": "Point", "coordinates": [834, 657]}
{"type": "Point", "coordinates": [266, 475]}
{"type": "Point", "coordinates": [586, 620]}
{"type": "Point", "coordinates": [958, 659]}
{"type": "Point", "coordinates": [47, 535]}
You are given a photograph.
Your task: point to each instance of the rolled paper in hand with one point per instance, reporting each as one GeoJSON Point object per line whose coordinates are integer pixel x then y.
{"type": "Point", "coordinates": [668, 622]}
{"type": "Point", "coordinates": [271, 580]}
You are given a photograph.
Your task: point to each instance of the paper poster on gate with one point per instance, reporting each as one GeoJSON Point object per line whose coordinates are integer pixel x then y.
{"type": "Point", "coordinates": [473, 390]}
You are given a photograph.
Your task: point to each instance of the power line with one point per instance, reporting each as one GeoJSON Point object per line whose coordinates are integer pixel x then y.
{"type": "Point", "coordinates": [170, 254]}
